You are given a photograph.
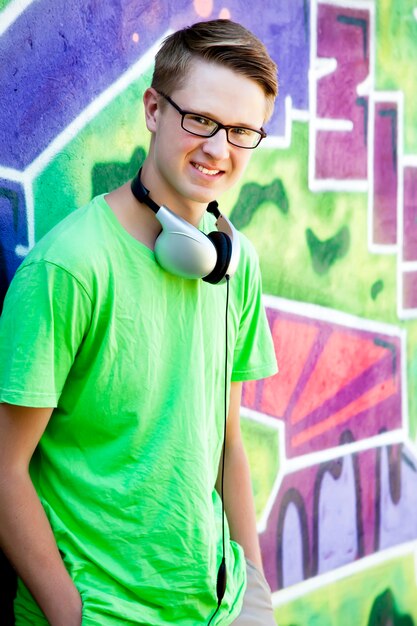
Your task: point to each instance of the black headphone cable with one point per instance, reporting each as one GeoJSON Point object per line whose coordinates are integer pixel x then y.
{"type": "Point", "coordinates": [222, 571]}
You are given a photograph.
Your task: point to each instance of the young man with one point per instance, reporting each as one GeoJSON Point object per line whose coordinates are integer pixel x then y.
{"type": "Point", "coordinates": [113, 371]}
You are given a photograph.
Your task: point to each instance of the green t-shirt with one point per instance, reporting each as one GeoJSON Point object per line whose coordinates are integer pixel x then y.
{"type": "Point", "coordinates": [132, 358]}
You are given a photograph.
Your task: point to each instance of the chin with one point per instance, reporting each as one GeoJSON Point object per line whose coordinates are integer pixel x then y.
{"type": "Point", "coordinates": [207, 194]}
{"type": "Point", "coordinates": [206, 198]}
{"type": "Point", "coordinates": [201, 197]}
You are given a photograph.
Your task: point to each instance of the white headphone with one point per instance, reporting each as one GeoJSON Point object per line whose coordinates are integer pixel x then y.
{"type": "Point", "coordinates": [186, 251]}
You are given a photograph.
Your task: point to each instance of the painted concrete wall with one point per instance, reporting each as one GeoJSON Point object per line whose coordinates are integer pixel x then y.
{"type": "Point", "coordinates": [330, 202]}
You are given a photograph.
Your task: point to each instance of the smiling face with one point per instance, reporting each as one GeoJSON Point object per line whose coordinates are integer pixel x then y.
{"type": "Point", "coordinates": [183, 171]}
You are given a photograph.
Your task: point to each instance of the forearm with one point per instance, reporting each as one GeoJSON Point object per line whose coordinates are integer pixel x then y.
{"type": "Point", "coordinates": [239, 503]}
{"type": "Point", "coordinates": [28, 542]}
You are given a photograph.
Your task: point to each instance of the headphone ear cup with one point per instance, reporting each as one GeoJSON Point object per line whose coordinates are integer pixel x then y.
{"type": "Point", "coordinates": [223, 246]}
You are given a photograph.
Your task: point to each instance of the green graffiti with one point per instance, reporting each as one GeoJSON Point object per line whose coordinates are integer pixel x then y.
{"type": "Point", "coordinates": [3, 4]}
{"type": "Point", "coordinates": [396, 28]}
{"type": "Point", "coordinates": [325, 253]}
{"type": "Point", "coordinates": [376, 289]}
{"type": "Point", "coordinates": [252, 196]}
{"type": "Point", "coordinates": [358, 600]}
{"type": "Point", "coordinates": [384, 612]}
{"type": "Point", "coordinates": [108, 176]}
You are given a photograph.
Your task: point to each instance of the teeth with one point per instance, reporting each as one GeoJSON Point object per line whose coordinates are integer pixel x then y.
{"type": "Point", "coordinates": [202, 169]}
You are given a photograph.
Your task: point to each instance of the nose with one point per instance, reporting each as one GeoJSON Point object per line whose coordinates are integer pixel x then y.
{"type": "Point", "coordinates": [217, 145]}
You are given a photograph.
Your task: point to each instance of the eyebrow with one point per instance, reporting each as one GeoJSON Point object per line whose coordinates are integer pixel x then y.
{"type": "Point", "coordinates": [234, 125]}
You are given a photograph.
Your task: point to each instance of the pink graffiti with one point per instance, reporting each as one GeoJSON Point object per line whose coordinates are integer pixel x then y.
{"type": "Point", "coordinates": [342, 34]}
{"type": "Point", "coordinates": [332, 379]}
{"type": "Point", "coordinates": [385, 174]}
{"type": "Point", "coordinates": [410, 214]}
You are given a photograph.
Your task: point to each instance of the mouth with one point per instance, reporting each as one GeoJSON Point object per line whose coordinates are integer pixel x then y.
{"type": "Point", "coordinates": [205, 170]}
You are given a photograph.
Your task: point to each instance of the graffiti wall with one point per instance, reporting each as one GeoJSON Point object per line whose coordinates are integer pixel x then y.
{"type": "Point", "coordinates": [330, 202]}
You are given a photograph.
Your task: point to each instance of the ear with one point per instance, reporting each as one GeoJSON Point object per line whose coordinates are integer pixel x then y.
{"type": "Point", "coordinates": [151, 105]}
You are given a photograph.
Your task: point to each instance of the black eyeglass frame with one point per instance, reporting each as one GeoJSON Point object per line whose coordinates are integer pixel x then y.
{"type": "Point", "coordinates": [262, 134]}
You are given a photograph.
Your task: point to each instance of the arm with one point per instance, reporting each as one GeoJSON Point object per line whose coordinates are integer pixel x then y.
{"type": "Point", "coordinates": [25, 533]}
{"type": "Point", "coordinates": [238, 497]}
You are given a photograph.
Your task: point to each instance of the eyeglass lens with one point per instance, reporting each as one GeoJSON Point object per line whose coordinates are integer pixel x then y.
{"type": "Point", "coordinates": [205, 127]}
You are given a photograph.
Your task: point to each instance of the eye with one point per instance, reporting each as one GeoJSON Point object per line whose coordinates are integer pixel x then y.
{"type": "Point", "coordinates": [200, 120]}
{"type": "Point", "coordinates": [242, 132]}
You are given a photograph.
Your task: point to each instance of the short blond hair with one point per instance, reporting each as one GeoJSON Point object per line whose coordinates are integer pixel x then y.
{"type": "Point", "coordinates": [216, 41]}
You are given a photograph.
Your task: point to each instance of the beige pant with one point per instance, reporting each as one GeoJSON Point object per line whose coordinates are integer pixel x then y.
{"type": "Point", "coordinates": [257, 605]}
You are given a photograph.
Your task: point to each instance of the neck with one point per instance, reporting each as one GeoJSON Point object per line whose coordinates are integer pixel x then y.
{"type": "Point", "coordinates": [149, 190]}
{"type": "Point", "coordinates": [138, 219]}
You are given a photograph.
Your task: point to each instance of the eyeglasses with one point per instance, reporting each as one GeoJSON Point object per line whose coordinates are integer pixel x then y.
{"type": "Point", "coordinates": [204, 126]}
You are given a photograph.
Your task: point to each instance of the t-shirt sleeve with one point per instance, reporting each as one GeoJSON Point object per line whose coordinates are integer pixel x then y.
{"type": "Point", "coordinates": [254, 356]}
{"type": "Point", "coordinates": [45, 316]}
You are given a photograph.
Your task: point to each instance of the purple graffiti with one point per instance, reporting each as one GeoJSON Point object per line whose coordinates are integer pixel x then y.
{"type": "Point", "coordinates": [290, 523]}
{"type": "Point", "coordinates": [58, 56]}
{"type": "Point", "coordinates": [385, 174]}
{"type": "Point", "coordinates": [398, 497]}
{"type": "Point", "coordinates": [409, 280]}
{"type": "Point", "coordinates": [284, 27]}
{"type": "Point", "coordinates": [335, 378]}
{"type": "Point", "coordinates": [292, 547]}
{"type": "Point", "coordinates": [331, 514]}
{"type": "Point", "coordinates": [337, 528]}
{"type": "Point", "coordinates": [342, 34]}
{"type": "Point", "coordinates": [410, 214]}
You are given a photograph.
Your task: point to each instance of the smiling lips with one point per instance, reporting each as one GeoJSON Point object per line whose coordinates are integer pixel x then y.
{"type": "Point", "coordinates": [204, 170]}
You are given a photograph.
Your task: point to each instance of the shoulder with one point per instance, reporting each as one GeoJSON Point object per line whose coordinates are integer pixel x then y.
{"type": "Point", "coordinates": [76, 245]}
{"type": "Point", "coordinates": [71, 236]}
{"type": "Point", "coordinates": [249, 255]}
{"type": "Point", "coordinates": [246, 283]}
